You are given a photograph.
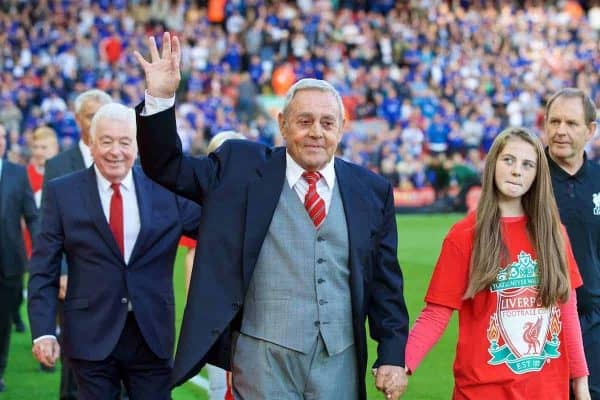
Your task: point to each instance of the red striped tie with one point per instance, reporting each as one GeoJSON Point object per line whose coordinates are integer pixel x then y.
{"type": "Point", "coordinates": [314, 204]}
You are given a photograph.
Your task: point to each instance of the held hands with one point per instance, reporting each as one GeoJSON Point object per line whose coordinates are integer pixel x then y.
{"type": "Point", "coordinates": [162, 72]}
{"type": "Point", "coordinates": [391, 380]}
{"type": "Point", "coordinates": [46, 351]}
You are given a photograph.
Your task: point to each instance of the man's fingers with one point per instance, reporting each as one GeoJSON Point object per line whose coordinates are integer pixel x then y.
{"type": "Point", "coordinates": [166, 46]}
{"type": "Point", "coordinates": [176, 51]}
{"type": "Point", "coordinates": [380, 380]}
{"type": "Point", "coordinates": [55, 352]}
{"type": "Point", "coordinates": [393, 394]}
{"type": "Point", "coordinates": [46, 351]}
{"type": "Point", "coordinates": [154, 56]}
{"type": "Point", "coordinates": [140, 59]}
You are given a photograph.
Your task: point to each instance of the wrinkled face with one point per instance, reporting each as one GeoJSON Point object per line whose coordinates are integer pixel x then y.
{"type": "Point", "coordinates": [114, 148]}
{"type": "Point", "coordinates": [312, 128]}
{"type": "Point", "coordinates": [566, 130]}
{"type": "Point", "coordinates": [84, 118]}
{"type": "Point", "coordinates": [516, 169]}
{"type": "Point", "coordinates": [42, 150]}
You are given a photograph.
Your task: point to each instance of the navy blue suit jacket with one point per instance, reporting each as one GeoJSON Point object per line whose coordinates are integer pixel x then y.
{"type": "Point", "coordinates": [238, 187]}
{"type": "Point", "coordinates": [100, 283]}
{"type": "Point", "coordinates": [16, 201]}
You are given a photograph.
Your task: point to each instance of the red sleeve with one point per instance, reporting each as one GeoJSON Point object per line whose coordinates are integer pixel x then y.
{"type": "Point", "coordinates": [428, 329]}
{"type": "Point", "coordinates": [576, 280]}
{"type": "Point", "coordinates": [572, 336]}
{"type": "Point", "coordinates": [450, 276]}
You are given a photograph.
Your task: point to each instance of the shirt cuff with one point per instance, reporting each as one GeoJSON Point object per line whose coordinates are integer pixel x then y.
{"type": "Point", "coordinates": [43, 337]}
{"type": "Point", "coordinates": [154, 105]}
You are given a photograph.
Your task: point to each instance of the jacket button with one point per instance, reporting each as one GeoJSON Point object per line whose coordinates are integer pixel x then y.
{"type": "Point", "coordinates": [124, 300]}
{"type": "Point", "coordinates": [320, 280]}
{"type": "Point", "coordinates": [317, 323]}
{"type": "Point", "coordinates": [322, 302]}
{"type": "Point", "coordinates": [320, 239]}
{"type": "Point", "coordinates": [320, 261]}
{"type": "Point", "coordinates": [236, 305]}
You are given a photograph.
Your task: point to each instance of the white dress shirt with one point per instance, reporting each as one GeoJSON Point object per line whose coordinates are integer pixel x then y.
{"type": "Point", "coordinates": [131, 214]}
{"type": "Point", "coordinates": [86, 154]}
{"type": "Point", "coordinates": [293, 174]}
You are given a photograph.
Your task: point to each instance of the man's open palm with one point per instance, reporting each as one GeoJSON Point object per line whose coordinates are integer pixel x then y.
{"type": "Point", "coordinates": [162, 72]}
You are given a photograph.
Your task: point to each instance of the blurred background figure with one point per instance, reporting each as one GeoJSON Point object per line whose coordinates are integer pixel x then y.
{"type": "Point", "coordinates": [44, 145]}
{"type": "Point", "coordinates": [16, 202]}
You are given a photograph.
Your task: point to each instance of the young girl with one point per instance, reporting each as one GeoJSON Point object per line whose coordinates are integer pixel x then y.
{"type": "Point", "coordinates": [509, 271]}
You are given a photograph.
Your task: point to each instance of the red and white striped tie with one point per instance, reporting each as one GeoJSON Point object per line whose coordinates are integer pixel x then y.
{"type": "Point", "coordinates": [314, 204]}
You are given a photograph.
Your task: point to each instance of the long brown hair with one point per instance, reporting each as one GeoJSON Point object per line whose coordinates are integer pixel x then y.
{"type": "Point", "coordinates": [543, 226]}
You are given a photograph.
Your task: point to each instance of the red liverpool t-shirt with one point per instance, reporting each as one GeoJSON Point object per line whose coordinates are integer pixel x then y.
{"type": "Point", "coordinates": [509, 346]}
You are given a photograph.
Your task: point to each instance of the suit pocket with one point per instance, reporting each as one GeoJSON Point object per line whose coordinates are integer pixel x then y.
{"type": "Point", "coordinates": [76, 304]}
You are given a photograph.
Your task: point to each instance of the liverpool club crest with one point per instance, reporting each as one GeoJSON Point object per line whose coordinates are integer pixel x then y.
{"type": "Point", "coordinates": [522, 333]}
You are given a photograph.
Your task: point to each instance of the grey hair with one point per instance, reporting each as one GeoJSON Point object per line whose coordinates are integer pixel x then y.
{"type": "Point", "coordinates": [589, 108]}
{"type": "Point", "coordinates": [113, 111]}
{"type": "Point", "coordinates": [314, 84]}
{"type": "Point", "coordinates": [221, 138]}
{"type": "Point", "coordinates": [91, 95]}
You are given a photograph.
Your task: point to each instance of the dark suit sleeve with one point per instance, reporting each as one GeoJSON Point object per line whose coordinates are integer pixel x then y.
{"type": "Point", "coordinates": [189, 213]}
{"type": "Point", "coordinates": [163, 160]}
{"type": "Point", "coordinates": [388, 317]}
{"type": "Point", "coordinates": [45, 268]}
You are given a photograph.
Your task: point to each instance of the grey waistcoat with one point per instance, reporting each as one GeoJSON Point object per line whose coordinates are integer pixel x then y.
{"type": "Point", "coordinates": [300, 285]}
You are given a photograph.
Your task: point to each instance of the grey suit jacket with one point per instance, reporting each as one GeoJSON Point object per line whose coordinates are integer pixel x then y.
{"type": "Point", "coordinates": [16, 201]}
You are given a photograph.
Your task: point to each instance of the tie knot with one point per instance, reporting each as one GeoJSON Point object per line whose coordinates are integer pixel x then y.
{"type": "Point", "coordinates": [116, 187]}
{"type": "Point", "coordinates": [311, 177]}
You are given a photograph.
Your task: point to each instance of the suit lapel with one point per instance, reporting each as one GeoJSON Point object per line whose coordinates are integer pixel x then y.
{"type": "Point", "coordinates": [357, 220]}
{"type": "Point", "coordinates": [143, 192]}
{"type": "Point", "coordinates": [91, 199]}
{"type": "Point", "coordinates": [263, 195]}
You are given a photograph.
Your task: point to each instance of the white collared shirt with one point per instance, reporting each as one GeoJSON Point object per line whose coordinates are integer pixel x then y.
{"type": "Point", "coordinates": [86, 154]}
{"type": "Point", "coordinates": [131, 214]}
{"type": "Point", "coordinates": [293, 174]}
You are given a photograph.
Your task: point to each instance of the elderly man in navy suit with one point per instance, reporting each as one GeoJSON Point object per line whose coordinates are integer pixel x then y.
{"type": "Point", "coordinates": [16, 201]}
{"type": "Point", "coordinates": [119, 232]}
{"type": "Point", "coordinates": [298, 249]}
{"type": "Point", "coordinates": [74, 159]}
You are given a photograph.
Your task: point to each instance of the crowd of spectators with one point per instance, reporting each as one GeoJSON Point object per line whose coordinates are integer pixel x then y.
{"type": "Point", "coordinates": [427, 84]}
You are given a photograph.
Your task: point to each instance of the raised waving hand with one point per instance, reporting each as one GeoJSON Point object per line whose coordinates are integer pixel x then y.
{"type": "Point", "coordinates": [162, 71]}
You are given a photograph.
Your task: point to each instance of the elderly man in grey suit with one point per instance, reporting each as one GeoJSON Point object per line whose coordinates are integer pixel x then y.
{"type": "Point", "coordinates": [74, 159]}
{"type": "Point", "coordinates": [16, 201]}
{"type": "Point", "coordinates": [297, 249]}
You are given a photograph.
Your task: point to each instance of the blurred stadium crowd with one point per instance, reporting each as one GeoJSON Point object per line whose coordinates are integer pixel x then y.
{"type": "Point", "coordinates": [427, 84]}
